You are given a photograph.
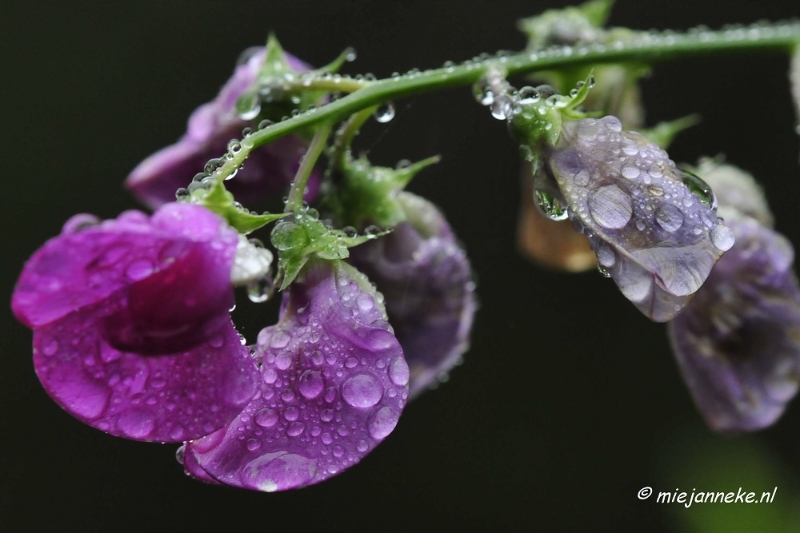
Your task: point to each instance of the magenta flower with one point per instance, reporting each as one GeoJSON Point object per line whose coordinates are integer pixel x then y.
{"type": "Point", "coordinates": [737, 341]}
{"type": "Point", "coordinates": [427, 281]}
{"type": "Point", "coordinates": [333, 384]}
{"type": "Point", "coordinates": [653, 227]}
{"type": "Point", "coordinates": [131, 328]}
{"type": "Point", "coordinates": [268, 170]}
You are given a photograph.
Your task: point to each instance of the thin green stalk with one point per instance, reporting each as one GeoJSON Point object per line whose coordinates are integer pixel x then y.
{"type": "Point", "coordinates": [295, 200]}
{"type": "Point", "coordinates": [643, 47]}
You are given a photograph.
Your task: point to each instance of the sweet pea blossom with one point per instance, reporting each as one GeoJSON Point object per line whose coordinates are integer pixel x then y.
{"type": "Point", "coordinates": [737, 343]}
{"type": "Point", "coordinates": [652, 226]}
{"type": "Point", "coordinates": [425, 277]}
{"type": "Point", "coordinates": [333, 384]}
{"type": "Point", "coordinates": [268, 170]}
{"type": "Point", "coordinates": [132, 334]}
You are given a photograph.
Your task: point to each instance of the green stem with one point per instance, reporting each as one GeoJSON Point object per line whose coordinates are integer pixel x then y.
{"type": "Point", "coordinates": [344, 137]}
{"type": "Point", "coordinates": [644, 47]}
{"type": "Point", "coordinates": [295, 200]}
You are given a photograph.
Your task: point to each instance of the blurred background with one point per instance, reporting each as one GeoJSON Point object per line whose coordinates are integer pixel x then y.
{"type": "Point", "coordinates": [568, 402]}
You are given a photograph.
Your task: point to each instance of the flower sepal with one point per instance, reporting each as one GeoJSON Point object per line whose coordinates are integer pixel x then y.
{"type": "Point", "coordinates": [302, 236]}
{"type": "Point", "coordinates": [368, 194]}
{"type": "Point", "coordinates": [217, 199]}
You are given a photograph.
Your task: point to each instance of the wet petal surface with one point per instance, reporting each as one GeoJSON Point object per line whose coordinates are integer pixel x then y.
{"type": "Point", "coordinates": [174, 270]}
{"type": "Point", "coordinates": [131, 327]}
{"type": "Point", "coordinates": [738, 342]}
{"type": "Point", "coordinates": [334, 382]}
{"type": "Point", "coordinates": [652, 227]}
{"type": "Point", "coordinates": [426, 279]}
{"type": "Point", "coordinates": [168, 398]}
{"type": "Point", "coordinates": [269, 169]}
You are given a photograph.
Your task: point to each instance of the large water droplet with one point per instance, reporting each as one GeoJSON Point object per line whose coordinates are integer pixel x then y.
{"type": "Point", "coordinates": [261, 290]}
{"type": "Point", "coordinates": [311, 384]}
{"type": "Point", "coordinates": [669, 217]}
{"type": "Point", "coordinates": [398, 372]}
{"type": "Point", "coordinates": [482, 91]}
{"type": "Point", "coordinates": [550, 206]}
{"type": "Point", "coordinates": [611, 207]}
{"type": "Point", "coordinates": [382, 422]}
{"type": "Point", "coordinates": [722, 237]}
{"type": "Point", "coordinates": [384, 113]}
{"type": "Point", "coordinates": [362, 390]}
{"type": "Point", "coordinates": [699, 188]}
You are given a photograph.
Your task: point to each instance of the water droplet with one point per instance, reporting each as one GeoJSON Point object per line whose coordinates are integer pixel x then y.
{"type": "Point", "coordinates": [581, 179]}
{"type": "Point", "coordinates": [261, 290]}
{"type": "Point", "coordinates": [382, 422]}
{"type": "Point", "coordinates": [280, 339]}
{"type": "Point", "coordinates": [362, 446]}
{"type": "Point", "coordinates": [311, 384]}
{"type": "Point", "coordinates": [603, 271]}
{"type": "Point", "coordinates": [253, 444]}
{"type": "Point", "coordinates": [291, 413]}
{"type": "Point", "coordinates": [528, 95]}
{"type": "Point", "coordinates": [699, 188]}
{"type": "Point", "coordinates": [501, 107]}
{"type": "Point", "coordinates": [482, 91]}
{"type": "Point", "coordinates": [611, 207]}
{"type": "Point", "coordinates": [234, 145]}
{"type": "Point", "coordinates": [384, 113]}
{"type": "Point", "coordinates": [630, 171]}
{"type": "Point", "coordinates": [50, 348]}
{"type": "Point", "coordinates": [136, 423]}
{"type": "Point", "coordinates": [398, 372]}
{"type": "Point", "coordinates": [550, 206]}
{"type": "Point", "coordinates": [265, 124]}
{"type": "Point", "coordinates": [362, 390]}
{"type": "Point", "coordinates": [266, 418]}
{"type": "Point", "coordinates": [722, 237]}
{"type": "Point", "coordinates": [295, 429]}
{"type": "Point", "coordinates": [139, 269]}
{"type": "Point", "coordinates": [669, 217]}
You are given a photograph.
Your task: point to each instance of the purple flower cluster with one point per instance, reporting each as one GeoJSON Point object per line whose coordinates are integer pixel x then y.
{"type": "Point", "coordinates": [738, 341]}
{"type": "Point", "coordinates": [133, 335]}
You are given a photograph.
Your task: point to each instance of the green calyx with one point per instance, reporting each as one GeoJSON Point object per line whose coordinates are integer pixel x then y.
{"type": "Point", "coordinates": [274, 94]}
{"type": "Point", "coordinates": [368, 194]}
{"type": "Point", "coordinates": [303, 236]}
{"type": "Point", "coordinates": [566, 26]}
{"type": "Point", "coordinates": [537, 113]}
{"type": "Point", "coordinates": [213, 196]}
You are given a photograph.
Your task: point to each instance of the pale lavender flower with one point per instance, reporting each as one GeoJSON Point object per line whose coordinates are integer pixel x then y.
{"type": "Point", "coordinates": [652, 226]}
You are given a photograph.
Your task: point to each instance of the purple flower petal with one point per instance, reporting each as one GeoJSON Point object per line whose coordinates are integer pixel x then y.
{"type": "Point", "coordinates": [167, 398]}
{"type": "Point", "coordinates": [182, 255]}
{"type": "Point", "coordinates": [655, 238]}
{"type": "Point", "coordinates": [426, 279]}
{"type": "Point", "coordinates": [334, 382]}
{"type": "Point", "coordinates": [737, 192]}
{"type": "Point", "coordinates": [268, 170]}
{"type": "Point", "coordinates": [131, 327]}
{"type": "Point", "coordinates": [738, 342]}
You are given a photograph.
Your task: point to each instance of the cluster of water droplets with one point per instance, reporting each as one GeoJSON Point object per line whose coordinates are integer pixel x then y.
{"type": "Point", "coordinates": [325, 400]}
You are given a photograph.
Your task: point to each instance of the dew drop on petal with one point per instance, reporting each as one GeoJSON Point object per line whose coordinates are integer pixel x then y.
{"type": "Point", "coordinates": [611, 207]}
{"type": "Point", "coordinates": [398, 372]}
{"type": "Point", "coordinates": [669, 217]}
{"type": "Point", "coordinates": [311, 384]}
{"type": "Point", "coordinates": [362, 390]}
{"type": "Point", "coordinates": [266, 418]}
{"type": "Point", "coordinates": [382, 422]}
{"type": "Point", "coordinates": [722, 237]}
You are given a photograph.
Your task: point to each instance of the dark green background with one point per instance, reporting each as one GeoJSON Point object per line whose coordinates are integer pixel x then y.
{"type": "Point", "coordinates": [569, 401]}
